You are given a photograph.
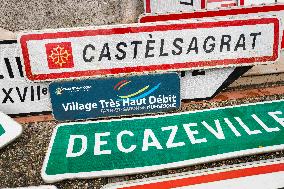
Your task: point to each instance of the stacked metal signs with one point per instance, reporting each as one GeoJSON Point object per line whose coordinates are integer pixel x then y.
{"type": "Point", "coordinates": [190, 42]}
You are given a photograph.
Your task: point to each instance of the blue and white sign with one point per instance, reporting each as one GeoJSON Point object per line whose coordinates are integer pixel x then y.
{"type": "Point", "coordinates": [93, 98]}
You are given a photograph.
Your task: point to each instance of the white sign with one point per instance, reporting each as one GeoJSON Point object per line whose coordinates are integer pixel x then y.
{"type": "Point", "coordinates": [202, 84]}
{"type": "Point", "coordinates": [212, 4]}
{"type": "Point", "coordinates": [158, 6]}
{"type": "Point", "coordinates": [168, 46]}
{"type": "Point", "coordinates": [9, 130]}
{"type": "Point", "coordinates": [257, 2]}
{"type": "Point", "coordinates": [16, 94]}
{"type": "Point", "coordinates": [267, 174]}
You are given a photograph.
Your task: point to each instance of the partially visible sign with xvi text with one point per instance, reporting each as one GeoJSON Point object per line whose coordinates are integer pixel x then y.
{"type": "Point", "coordinates": [143, 144]}
{"type": "Point", "coordinates": [92, 98]}
{"type": "Point", "coordinates": [17, 95]}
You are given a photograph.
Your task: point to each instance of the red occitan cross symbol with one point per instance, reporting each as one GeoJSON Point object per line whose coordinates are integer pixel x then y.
{"type": "Point", "coordinates": [59, 55]}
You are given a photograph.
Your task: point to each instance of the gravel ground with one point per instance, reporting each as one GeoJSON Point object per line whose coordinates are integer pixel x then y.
{"type": "Point", "coordinates": [21, 161]}
{"type": "Point", "coordinates": [18, 15]}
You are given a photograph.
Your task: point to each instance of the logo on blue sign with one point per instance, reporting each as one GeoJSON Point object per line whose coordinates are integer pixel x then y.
{"type": "Point", "coordinates": [141, 93]}
{"type": "Point", "coordinates": [92, 98]}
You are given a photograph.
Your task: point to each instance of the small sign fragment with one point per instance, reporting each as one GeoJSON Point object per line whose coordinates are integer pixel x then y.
{"type": "Point", "coordinates": [9, 130]}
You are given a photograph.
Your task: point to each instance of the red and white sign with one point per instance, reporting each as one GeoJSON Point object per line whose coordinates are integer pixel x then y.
{"type": "Point", "coordinates": [239, 12]}
{"type": "Point", "coordinates": [261, 175]}
{"type": "Point", "coordinates": [212, 4]}
{"type": "Point", "coordinates": [168, 46]}
{"type": "Point", "coordinates": [158, 6]}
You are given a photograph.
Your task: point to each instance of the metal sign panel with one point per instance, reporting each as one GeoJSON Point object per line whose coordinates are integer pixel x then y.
{"type": "Point", "coordinates": [205, 84]}
{"type": "Point", "coordinates": [156, 6]}
{"type": "Point", "coordinates": [9, 130]}
{"type": "Point", "coordinates": [18, 96]}
{"type": "Point", "coordinates": [168, 46]}
{"type": "Point", "coordinates": [93, 98]}
{"type": "Point", "coordinates": [267, 174]}
{"type": "Point", "coordinates": [144, 144]}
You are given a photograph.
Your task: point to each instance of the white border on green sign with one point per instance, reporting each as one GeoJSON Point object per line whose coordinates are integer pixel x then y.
{"type": "Point", "coordinates": [12, 130]}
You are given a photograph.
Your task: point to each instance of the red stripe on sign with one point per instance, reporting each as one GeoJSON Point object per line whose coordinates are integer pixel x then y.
{"type": "Point", "coordinates": [203, 4]}
{"type": "Point", "coordinates": [212, 177]}
{"type": "Point", "coordinates": [119, 83]}
{"type": "Point", "coordinates": [228, 5]}
{"type": "Point", "coordinates": [242, 2]}
{"type": "Point", "coordinates": [168, 67]}
{"type": "Point", "coordinates": [215, 1]}
{"type": "Point", "coordinates": [148, 6]}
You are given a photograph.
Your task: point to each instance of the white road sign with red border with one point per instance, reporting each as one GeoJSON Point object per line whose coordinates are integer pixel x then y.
{"type": "Point", "coordinates": [163, 46]}
{"type": "Point", "coordinates": [267, 174]}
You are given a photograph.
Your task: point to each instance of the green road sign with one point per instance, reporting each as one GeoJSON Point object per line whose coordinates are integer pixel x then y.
{"type": "Point", "coordinates": [9, 130]}
{"type": "Point", "coordinates": [143, 144]}
{"type": "Point", "coordinates": [2, 131]}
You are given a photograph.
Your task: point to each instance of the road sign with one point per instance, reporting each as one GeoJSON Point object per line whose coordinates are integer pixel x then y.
{"type": "Point", "coordinates": [212, 4]}
{"type": "Point", "coordinates": [156, 6]}
{"type": "Point", "coordinates": [169, 46]}
{"type": "Point", "coordinates": [115, 96]}
{"type": "Point", "coordinates": [17, 96]}
{"type": "Point", "coordinates": [144, 144]}
{"type": "Point", "coordinates": [268, 174]}
{"type": "Point", "coordinates": [9, 130]}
